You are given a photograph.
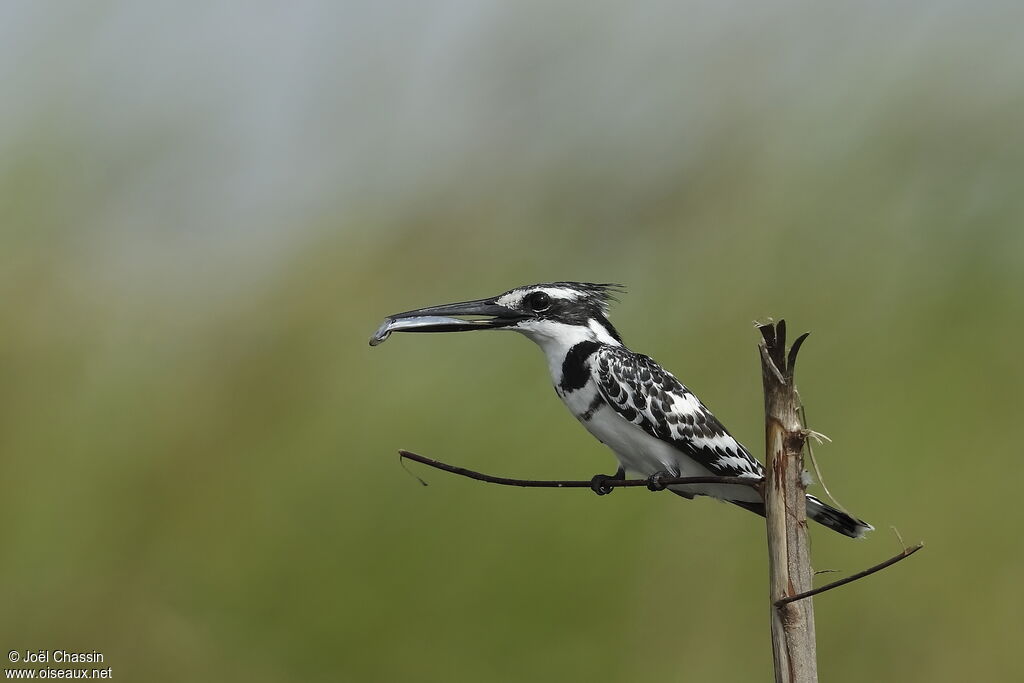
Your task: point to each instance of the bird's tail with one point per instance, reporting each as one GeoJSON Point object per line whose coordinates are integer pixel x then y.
{"type": "Point", "coordinates": [823, 514]}
{"type": "Point", "coordinates": [837, 520]}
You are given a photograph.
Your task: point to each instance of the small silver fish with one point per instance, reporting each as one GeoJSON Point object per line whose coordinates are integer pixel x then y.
{"type": "Point", "coordinates": [423, 323]}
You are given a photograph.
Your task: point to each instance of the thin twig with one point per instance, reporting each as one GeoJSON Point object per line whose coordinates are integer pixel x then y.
{"type": "Point", "coordinates": [907, 552]}
{"type": "Point", "coordinates": [753, 482]}
{"type": "Point", "coordinates": [814, 461]}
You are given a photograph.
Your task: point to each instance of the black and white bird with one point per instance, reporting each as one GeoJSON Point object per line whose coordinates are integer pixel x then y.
{"type": "Point", "coordinates": [649, 419]}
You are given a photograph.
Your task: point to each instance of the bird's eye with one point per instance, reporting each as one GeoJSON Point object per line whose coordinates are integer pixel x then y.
{"type": "Point", "coordinates": [538, 301]}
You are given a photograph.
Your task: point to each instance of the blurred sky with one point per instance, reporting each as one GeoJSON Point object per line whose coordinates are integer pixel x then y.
{"type": "Point", "coordinates": [235, 126]}
{"type": "Point", "coordinates": [206, 208]}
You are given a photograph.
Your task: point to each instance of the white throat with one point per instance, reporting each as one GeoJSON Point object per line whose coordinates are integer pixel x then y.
{"type": "Point", "coordinates": [555, 339]}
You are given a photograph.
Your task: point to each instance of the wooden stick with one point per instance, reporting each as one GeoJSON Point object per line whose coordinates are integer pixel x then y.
{"type": "Point", "coordinates": [789, 561]}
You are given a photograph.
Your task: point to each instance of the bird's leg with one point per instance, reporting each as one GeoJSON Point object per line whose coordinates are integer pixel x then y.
{"type": "Point", "coordinates": [654, 481]}
{"type": "Point", "coordinates": [599, 482]}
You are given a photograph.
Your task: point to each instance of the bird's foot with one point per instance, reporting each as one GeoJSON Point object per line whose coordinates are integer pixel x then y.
{"type": "Point", "coordinates": [654, 481]}
{"type": "Point", "coordinates": [599, 482]}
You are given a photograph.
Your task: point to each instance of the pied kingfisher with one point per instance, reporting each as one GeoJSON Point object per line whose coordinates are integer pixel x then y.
{"type": "Point", "coordinates": [655, 426]}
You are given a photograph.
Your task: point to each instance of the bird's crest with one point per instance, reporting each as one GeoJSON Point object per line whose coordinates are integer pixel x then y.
{"type": "Point", "coordinates": [602, 294]}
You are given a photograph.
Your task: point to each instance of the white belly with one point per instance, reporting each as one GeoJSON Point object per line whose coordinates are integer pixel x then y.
{"type": "Point", "coordinates": [638, 451]}
{"type": "Point", "coordinates": [641, 454]}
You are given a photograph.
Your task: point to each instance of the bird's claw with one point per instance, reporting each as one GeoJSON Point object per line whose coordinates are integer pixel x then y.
{"type": "Point", "coordinates": [654, 481]}
{"type": "Point", "coordinates": [599, 484]}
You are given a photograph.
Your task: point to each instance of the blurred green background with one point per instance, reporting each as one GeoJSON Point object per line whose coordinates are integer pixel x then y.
{"type": "Point", "coordinates": [205, 211]}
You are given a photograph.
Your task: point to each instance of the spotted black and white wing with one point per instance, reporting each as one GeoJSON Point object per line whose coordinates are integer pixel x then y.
{"type": "Point", "coordinates": [644, 393]}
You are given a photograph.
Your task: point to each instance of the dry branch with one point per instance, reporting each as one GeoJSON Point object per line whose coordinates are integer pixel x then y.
{"type": "Point", "coordinates": [642, 483]}
{"type": "Point", "coordinates": [907, 552]}
{"type": "Point", "coordinates": [754, 482]}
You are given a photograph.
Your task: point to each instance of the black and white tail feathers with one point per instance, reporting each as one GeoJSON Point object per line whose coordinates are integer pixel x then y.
{"type": "Point", "coordinates": [823, 514]}
{"type": "Point", "coordinates": [837, 520]}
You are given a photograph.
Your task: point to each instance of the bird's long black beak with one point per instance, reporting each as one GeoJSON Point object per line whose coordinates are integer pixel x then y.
{"type": "Point", "coordinates": [482, 314]}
